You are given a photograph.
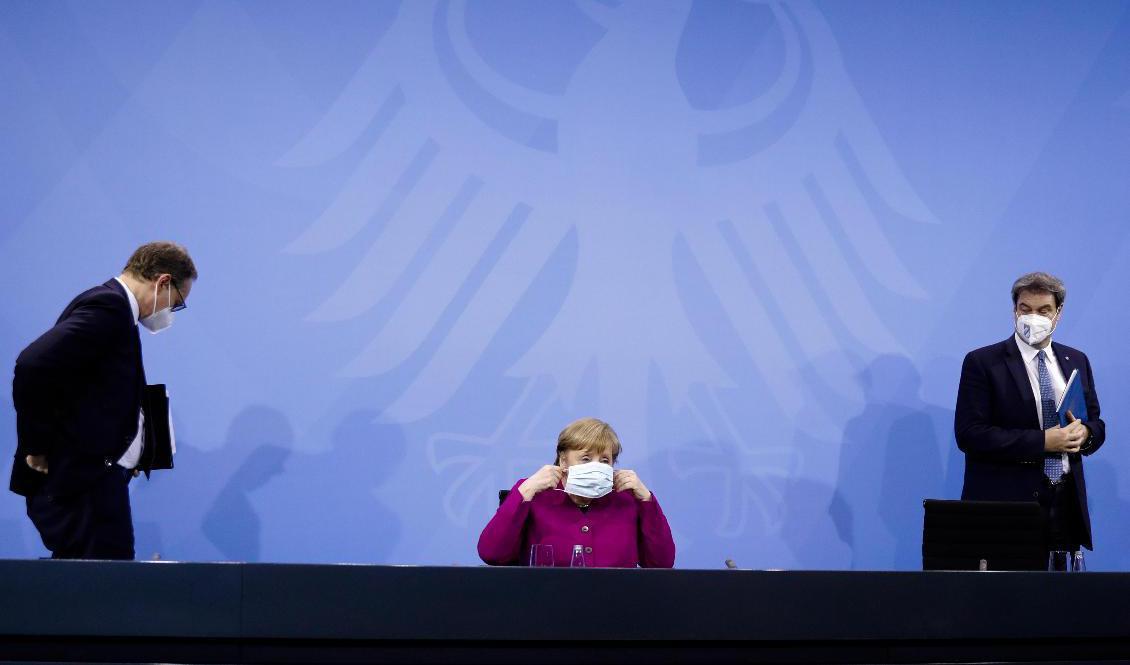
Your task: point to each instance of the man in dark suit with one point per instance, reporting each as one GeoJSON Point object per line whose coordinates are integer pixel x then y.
{"type": "Point", "coordinates": [1006, 422]}
{"type": "Point", "coordinates": [77, 390]}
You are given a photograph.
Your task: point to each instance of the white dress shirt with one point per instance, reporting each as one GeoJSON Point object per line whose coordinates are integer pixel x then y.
{"type": "Point", "coordinates": [133, 453]}
{"type": "Point", "coordinates": [1059, 383]}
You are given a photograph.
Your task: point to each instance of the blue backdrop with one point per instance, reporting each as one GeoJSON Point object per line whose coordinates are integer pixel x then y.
{"type": "Point", "coordinates": [758, 238]}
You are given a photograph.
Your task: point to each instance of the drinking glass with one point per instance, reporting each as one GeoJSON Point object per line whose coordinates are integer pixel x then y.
{"type": "Point", "coordinates": [1077, 563]}
{"type": "Point", "coordinates": [541, 555]}
{"type": "Point", "coordinates": [1066, 561]}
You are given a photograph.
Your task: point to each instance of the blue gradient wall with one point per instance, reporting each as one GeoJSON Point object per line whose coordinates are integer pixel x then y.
{"type": "Point", "coordinates": [758, 238]}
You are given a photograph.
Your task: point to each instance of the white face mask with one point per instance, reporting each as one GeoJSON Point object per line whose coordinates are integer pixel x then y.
{"type": "Point", "coordinates": [1034, 328]}
{"type": "Point", "coordinates": [162, 319]}
{"type": "Point", "coordinates": [591, 480]}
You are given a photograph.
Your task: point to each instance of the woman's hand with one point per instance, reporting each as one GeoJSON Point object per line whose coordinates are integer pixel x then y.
{"type": "Point", "coordinates": [626, 479]}
{"type": "Point", "coordinates": [547, 477]}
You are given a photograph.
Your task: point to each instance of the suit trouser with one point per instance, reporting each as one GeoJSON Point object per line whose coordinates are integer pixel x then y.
{"type": "Point", "coordinates": [1063, 527]}
{"type": "Point", "coordinates": [93, 524]}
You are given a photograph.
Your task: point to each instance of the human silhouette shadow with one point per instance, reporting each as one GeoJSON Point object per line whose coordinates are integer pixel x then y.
{"type": "Point", "coordinates": [890, 461]}
{"type": "Point", "coordinates": [169, 506]}
{"type": "Point", "coordinates": [940, 377]}
{"type": "Point", "coordinates": [328, 507]}
{"type": "Point", "coordinates": [261, 437]}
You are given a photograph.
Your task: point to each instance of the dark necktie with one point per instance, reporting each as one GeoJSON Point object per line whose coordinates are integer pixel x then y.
{"type": "Point", "coordinates": [1053, 464]}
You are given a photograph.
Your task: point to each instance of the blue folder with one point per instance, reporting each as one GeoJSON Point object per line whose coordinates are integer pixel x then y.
{"type": "Point", "coordinates": [1073, 400]}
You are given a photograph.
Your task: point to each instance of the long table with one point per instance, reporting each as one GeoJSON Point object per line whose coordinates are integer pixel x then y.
{"type": "Point", "coordinates": [88, 611]}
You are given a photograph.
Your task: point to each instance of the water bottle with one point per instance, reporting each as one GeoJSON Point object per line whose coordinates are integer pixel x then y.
{"type": "Point", "coordinates": [578, 557]}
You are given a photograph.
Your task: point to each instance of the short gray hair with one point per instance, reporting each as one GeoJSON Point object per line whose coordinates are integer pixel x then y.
{"type": "Point", "coordinates": [1040, 282]}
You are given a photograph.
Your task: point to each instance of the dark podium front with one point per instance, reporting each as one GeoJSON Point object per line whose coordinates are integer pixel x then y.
{"type": "Point", "coordinates": [229, 612]}
{"type": "Point", "coordinates": [1001, 535]}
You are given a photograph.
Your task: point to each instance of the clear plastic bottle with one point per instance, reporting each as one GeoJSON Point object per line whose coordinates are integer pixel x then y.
{"type": "Point", "coordinates": [578, 560]}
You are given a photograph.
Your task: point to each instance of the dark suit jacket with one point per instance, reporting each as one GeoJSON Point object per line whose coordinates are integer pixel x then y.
{"type": "Point", "coordinates": [77, 391]}
{"type": "Point", "coordinates": [998, 429]}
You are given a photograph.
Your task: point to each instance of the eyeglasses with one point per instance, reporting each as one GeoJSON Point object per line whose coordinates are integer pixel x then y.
{"type": "Point", "coordinates": [180, 305]}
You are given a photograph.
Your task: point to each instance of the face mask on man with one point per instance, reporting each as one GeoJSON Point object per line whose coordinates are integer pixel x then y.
{"type": "Point", "coordinates": [159, 319]}
{"type": "Point", "coordinates": [591, 480]}
{"type": "Point", "coordinates": [1034, 328]}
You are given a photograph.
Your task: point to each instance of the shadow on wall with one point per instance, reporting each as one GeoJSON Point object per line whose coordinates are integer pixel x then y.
{"type": "Point", "coordinates": [813, 524]}
{"type": "Point", "coordinates": [263, 438]}
{"type": "Point", "coordinates": [202, 510]}
{"type": "Point", "coordinates": [941, 376]}
{"type": "Point", "coordinates": [732, 487]}
{"type": "Point", "coordinates": [890, 461]}
{"type": "Point", "coordinates": [255, 499]}
{"type": "Point", "coordinates": [818, 521]}
{"type": "Point", "coordinates": [327, 507]}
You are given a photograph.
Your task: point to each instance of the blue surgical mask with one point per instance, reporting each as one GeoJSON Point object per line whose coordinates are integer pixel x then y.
{"type": "Point", "coordinates": [591, 480]}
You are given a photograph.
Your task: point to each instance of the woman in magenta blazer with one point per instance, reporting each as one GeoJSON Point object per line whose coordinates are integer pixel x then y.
{"type": "Point", "coordinates": [624, 528]}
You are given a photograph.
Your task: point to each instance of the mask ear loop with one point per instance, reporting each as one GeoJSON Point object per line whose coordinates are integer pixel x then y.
{"type": "Point", "coordinates": [1055, 321]}
{"type": "Point", "coordinates": [156, 289]}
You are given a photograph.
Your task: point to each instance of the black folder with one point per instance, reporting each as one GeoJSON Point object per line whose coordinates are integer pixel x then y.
{"type": "Point", "coordinates": [159, 442]}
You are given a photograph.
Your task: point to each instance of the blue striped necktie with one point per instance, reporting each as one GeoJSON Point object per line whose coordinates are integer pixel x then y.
{"type": "Point", "coordinates": [1053, 464]}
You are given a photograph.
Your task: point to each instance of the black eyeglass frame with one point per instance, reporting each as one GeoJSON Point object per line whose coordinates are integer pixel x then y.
{"type": "Point", "coordinates": [180, 305]}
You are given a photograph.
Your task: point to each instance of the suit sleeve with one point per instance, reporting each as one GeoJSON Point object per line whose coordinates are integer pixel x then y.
{"type": "Point", "coordinates": [1094, 420]}
{"type": "Point", "coordinates": [45, 367]}
{"type": "Point", "coordinates": [657, 547]}
{"type": "Point", "coordinates": [977, 435]}
{"type": "Point", "coordinates": [501, 540]}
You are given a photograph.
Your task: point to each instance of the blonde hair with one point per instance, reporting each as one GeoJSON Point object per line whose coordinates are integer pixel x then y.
{"type": "Point", "coordinates": [588, 434]}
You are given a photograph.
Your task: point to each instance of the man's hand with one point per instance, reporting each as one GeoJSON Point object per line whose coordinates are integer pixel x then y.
{"type": "Point", "coordinates": [1066, 439]}
{"type": "Point", "coordinates": [37, 462]}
